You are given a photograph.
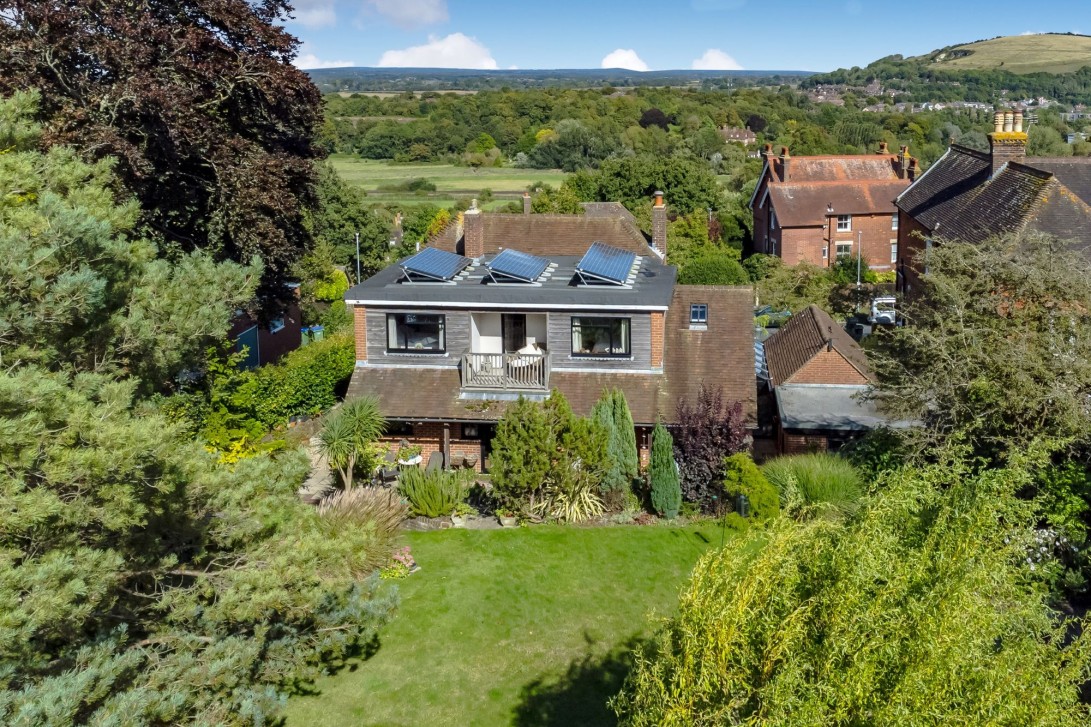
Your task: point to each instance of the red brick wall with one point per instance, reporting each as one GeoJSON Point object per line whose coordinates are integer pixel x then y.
{"type": "Point", "coordinates": [802, 444]}
{"type": "Point", "coordinates": [359, 325]}
{"type": "Point", "coordinates": [429, 436]}
{"type": "Point", "coordinates": [801, 244]}
{"type": "Point", "coordinates": [911, 236]}
{"type": "Point", "coordinates": [828, 367]}
{"type": "Point", "coordinates": [658, 321]}
{"type": "Point", "coordinates": [804, 244]}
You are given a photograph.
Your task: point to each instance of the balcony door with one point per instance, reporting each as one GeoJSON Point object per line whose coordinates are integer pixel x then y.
{"type": "Point", "coordinates": [514, 329]}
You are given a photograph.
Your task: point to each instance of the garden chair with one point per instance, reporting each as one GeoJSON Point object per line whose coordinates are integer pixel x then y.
{"type": "Point", "coordinates": [388, 470]}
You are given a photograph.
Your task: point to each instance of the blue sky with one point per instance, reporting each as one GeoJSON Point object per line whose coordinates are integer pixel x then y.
{"type": "Point", "coordinates": [642, 35]}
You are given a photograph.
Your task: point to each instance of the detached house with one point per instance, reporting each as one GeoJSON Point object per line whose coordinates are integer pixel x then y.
{"type": "Point", "coordinates": [972, 195]}
{"type": "Point", "coordinates": [817, 209]}
{"type": "Point", "coordinates": [509, 305]}
{"type": "Point", "coordinates": [818, 375]}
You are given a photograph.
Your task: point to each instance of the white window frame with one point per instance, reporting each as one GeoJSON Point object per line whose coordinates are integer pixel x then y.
{"type": "Point", "coordinates": [893, 251]}
{"type": "Point", "coordinates": [844, 249]}
{"type": "Point", "coordinates": [894, 222]}
{"type": "Point", "coordinates": [844, 223]}
{"type": "Point", "coordinates": [825, 251]}
{"type": "Point", "coordinates": [276, 325]}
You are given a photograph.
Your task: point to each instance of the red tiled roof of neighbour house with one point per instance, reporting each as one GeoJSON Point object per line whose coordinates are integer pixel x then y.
{"type": "Point", "coordinates": [842, 168]}
{"type": "Point", "coordinates": [720, 356]}
{"type": "Point", "coordinates": [805, 335]}
{"type": "Point", "coordinates": [607, 209]}
{"type": "Point", "coordinates": [551, 234]}
{"type": "Point", "coordinates": [805, 204]}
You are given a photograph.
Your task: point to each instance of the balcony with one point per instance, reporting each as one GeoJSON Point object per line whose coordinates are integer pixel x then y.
{"type": "Point", "coordinates": [514, 372]}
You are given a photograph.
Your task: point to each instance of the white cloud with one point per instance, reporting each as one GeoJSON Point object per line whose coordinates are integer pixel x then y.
{"type": "Point", "coordinates": [307, 60]}
{"type": "Point", "coordinates": [314, 13]}
{"type": "Point", "coordinates": [715, 59]}
{"type": "Point", "coordinates": [624, 58]}
{"type": "Point", "coordinates": [453, 51]}
{"type": "Point", "coordinates": [1031, 32]}
{"type": "Point", "coordinates": [410, 13]}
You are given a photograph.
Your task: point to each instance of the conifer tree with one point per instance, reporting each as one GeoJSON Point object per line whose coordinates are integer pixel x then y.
{"type": "Point", "coordinates": [626, 431]}
{"type": "Point", "coordinates": [615, 479]}
{"type": "Point", "coordinates": [666, 490]}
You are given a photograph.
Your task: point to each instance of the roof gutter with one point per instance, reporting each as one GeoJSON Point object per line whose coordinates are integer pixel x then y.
{"type": "Point", "coordinates": [501, 306]}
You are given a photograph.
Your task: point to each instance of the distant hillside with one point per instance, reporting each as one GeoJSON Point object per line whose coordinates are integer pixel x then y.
{"type": "Point", "coordinates": [427, 79]}
{"type": "Point", "coordinates": [988, 71]}
{"type": "Point", "coordinates": [1044, 53]}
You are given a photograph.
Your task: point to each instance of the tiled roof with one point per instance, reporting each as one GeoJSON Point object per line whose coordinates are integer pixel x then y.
{"type": "Point", "coordinates": [722, 356]}
{"type": "Point", "coordinates": [607, 209]}
{"type": "Point", "coordinates": [802, 337]}
{"type": "Point", "coordinates": [842, 168]}
{"type": "Point", "coordinates": [941, 192]}
{"type": "Point", "coordinates": [960, 198]}
{"type": "Point", "coordinates": [551, 234]}
{"type": "Point", "coordinates": [805, 204]}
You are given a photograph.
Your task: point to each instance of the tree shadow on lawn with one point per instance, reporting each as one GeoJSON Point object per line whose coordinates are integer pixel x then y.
{"type": "Point", "coordinates": [355, 656]}
{"type": "Point", "coordinates": [579, 696]}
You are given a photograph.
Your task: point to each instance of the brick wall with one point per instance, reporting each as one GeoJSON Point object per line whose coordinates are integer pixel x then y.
{"type": "Point", "coordinates": [802, 443]}
{"type": "Point", "coordinates": [658, 322]}
{"type": "Point", "coordinates": [804, 244]}
{"type": "Point", "coordinates": [429, 436]}
{"type": "Point", "coordinates": [911, 236]}
{"type": "Point", "coordinates": [359, 324]}
{"type": "Point", "coordinates": [828, 367]}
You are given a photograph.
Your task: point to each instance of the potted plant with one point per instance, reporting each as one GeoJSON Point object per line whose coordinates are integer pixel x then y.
{"type": "Point", "coordinates": [507, 517]}
{"type": "Point", "coordinates": [462, 514]}
{"type": "Point", "coordinates": [409, 455]}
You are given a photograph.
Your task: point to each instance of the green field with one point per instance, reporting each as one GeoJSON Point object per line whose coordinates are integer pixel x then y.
{"type": "Point", "coordinates": [1023, 54]}
{"type": "Point", "coordinates": [528, 627]}
{"type": "Point", "coordinates": [507, 184]}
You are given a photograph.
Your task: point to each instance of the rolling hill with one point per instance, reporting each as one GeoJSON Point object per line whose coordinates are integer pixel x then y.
{"type": "Point", "coordinates": [1042, 53]}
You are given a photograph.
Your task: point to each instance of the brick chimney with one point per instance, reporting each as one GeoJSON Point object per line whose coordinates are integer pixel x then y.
{"type": "Point", "coordinates": [911, 172]}
{"type": "Point", "coordinates": [473, 232]}
{"type": "Point", "coordinates": [526, 203]}
{"type": "Point", "coordinates": [767, 155]}
{"type": "Point", "coordinates": [1008, 142]}
{"type": "Point", "coordinates": [785, 164]}
{"type": "Point", "coordinates": [659, 224]}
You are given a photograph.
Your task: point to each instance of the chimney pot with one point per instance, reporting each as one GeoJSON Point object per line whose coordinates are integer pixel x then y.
{"type": "Point", "coordinates": [784, 151]}
{"type": "Point", "coordinates": [1009, 121]}
{"type": "Point", "coordinates": [1019, 122]}
{"type": "Point", "coordinates": [883, 147]}
{"type": "Point", "coordinates": [998, 122]}
{"type": "Point", "coordinates": [912, 171]}
{"type": "Point", "coordinates": [526, 203]}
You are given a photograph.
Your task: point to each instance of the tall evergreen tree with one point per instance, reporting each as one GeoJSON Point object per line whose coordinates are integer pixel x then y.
{"type": "Point", "coordinates": [614, 479]}
{"type": "Point", "coordinates": [626, 431]}
{"type": "Point", "coordinates": [663, 473]}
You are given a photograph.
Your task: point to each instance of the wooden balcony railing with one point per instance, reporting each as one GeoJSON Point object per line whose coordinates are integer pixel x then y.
{"type": "Point", "coordinates": [505, 371]}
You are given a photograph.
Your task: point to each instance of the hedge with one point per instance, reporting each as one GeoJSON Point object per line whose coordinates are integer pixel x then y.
{"type": "Point", "coordinates": [304, 382]}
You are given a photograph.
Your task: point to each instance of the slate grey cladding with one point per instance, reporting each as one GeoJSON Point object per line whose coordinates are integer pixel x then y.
{"type": "Point", "coordinates": [560, 343]}
{"type": "Point", "coordinates": [457, 327]}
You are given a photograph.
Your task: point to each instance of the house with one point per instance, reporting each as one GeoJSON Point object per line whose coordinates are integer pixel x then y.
{"type": "Point", "coordinates": [738, 135]}
{"type": "Point", "coordinates": [972, 195]}
{"type": "Point", "coordinates": [817, 375]}
{"type": "Point", "coordinates": [265, 342]}
{"type": "Point", "coordinates": [509, 305]}
{"type": "Point", "coordinates": [818, 209]}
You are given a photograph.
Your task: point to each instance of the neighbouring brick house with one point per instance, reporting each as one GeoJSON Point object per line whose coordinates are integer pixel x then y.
{"type": "Point", "coordinates": [266, 342]}
{"type": "Point", "coordinates": [972, 195]}
{"type": "Point", "coordinates": [507, 305]}
{"type": "Point", "coordinates": [817, 209]}
{"type": "Point", "coordinates": [816, 374]}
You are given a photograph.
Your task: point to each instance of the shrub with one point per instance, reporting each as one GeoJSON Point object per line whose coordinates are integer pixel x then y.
{"type": "Point", "coordinates": [434, 493]}
{"type": "Point", "coordinates": [377, 509]}
{"type": "Point", "coordinates": [916, 611]}
{"type": "Point", "coordinates": [304, 382]}
{"type": "Point", "coordinates": [820, 483]}
{"type": "Point", "coordinates": [548, 462]}
{"type": "Point", "coordinates": [743, 477]}
{"type": "Point", "coordinates": [611, 413]}
{"type": "Point", "coordinates": [332, 287]}
{"type": "Point", "coordinates": [666, 490]}
{"type": "Point", "coordinates": [709, 430]}
{"type": "Point", "coordinates": [714, 267]}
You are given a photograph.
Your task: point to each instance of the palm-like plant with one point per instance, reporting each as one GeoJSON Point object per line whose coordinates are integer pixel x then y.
{"type": "Point", "coordinates": [348, 434]}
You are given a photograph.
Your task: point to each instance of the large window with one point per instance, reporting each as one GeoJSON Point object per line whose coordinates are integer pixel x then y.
{"type": "Point", "coordinates": [415, 333]}
{"type": "Point", "coordinates": [600, 337]}
{"type": "Point", "coordinates": [844, 223]}
{"type": "Point", "coordinates": [844, 249]}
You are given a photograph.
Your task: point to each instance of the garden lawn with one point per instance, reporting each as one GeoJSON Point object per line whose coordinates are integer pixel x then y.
{"type": "Point", "coordinates": [528, 626]}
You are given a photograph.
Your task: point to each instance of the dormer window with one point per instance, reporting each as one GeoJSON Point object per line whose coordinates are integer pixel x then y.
{"type": "Point", "coordinates": [698, 314]}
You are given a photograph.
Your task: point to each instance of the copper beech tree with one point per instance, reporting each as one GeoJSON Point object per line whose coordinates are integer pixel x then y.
{"type": "Point", "coordinates": [197, 100]}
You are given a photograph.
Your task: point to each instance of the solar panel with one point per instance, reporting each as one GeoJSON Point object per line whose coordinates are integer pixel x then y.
{"type": "Point", "coordinates": [604, 263]}
{"type": "Point", "coordinates": [434, 264]}
{"type": "Point", "coordinates": [517, 265]}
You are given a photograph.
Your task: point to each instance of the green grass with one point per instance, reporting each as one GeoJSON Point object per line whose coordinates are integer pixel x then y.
{"type": "Point", "coordinates": [451, 182]}
{"type": "Point", "coordinates": [527, 627]}
{"type": "Point", "coordinates": [1025, 54]}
